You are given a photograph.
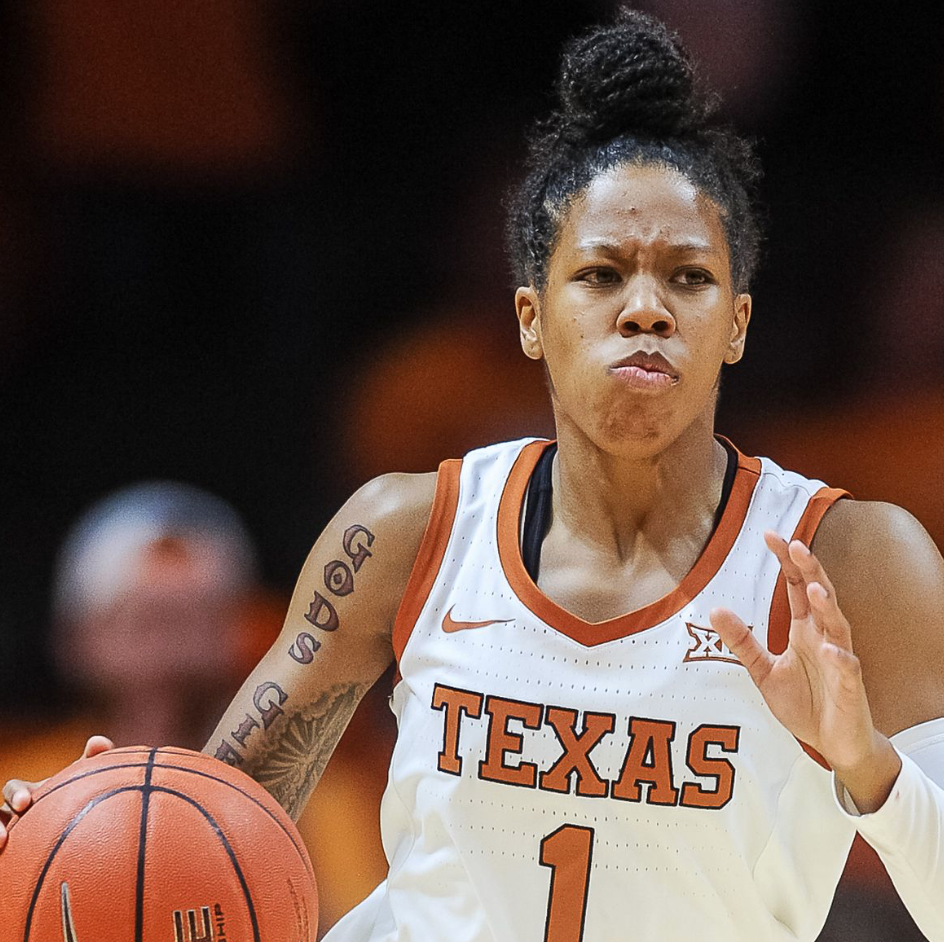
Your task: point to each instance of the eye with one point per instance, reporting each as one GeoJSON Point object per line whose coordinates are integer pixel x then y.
{"type": "Point", "coordinates": [694, 277]}
{"type": "Point", "coordinates": [599, 277]}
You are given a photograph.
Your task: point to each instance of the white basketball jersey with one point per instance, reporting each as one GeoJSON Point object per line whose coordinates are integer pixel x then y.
{"type": "Point", "coordinates": [561, 781]}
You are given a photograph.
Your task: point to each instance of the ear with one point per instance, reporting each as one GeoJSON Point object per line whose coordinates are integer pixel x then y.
{"type": "Point", "coordinates": [527, 306]}
{"type": "Point", "coordinates": [742, 317]}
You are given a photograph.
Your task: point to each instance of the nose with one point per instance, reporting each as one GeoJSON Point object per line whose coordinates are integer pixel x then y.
{"type": "Point", "coordinates": [644, 311]}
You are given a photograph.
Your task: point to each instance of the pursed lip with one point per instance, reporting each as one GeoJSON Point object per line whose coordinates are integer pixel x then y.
{"type": "Point", "coordinates": [653, 362]}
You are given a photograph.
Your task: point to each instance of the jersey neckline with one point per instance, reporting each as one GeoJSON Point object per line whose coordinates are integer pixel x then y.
{"type": "Point", "coordinates": [511, 506]}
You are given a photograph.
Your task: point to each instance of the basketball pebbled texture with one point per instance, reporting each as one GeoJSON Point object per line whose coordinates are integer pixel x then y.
{"type": "Point", "coordinates": [155, 845]}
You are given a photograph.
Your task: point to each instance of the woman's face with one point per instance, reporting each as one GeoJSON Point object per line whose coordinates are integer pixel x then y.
{"type": "Point", "coordinates": [639, 311]}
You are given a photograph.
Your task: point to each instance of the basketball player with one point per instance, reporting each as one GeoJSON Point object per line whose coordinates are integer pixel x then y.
{"type": "Point", "coordinates": [621, 715]}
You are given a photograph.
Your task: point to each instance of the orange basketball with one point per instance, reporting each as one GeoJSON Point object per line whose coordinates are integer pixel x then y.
{"type": "Point", "coordinates": [155, 845]}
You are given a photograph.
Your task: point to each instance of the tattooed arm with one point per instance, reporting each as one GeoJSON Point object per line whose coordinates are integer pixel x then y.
{"type": "Point", "coordinates": [287, 718]}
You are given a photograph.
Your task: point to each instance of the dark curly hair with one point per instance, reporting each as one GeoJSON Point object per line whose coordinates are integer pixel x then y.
{"type": "Point", "coordinates": [628, 94]}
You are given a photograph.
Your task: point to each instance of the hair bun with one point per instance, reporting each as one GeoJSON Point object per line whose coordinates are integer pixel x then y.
{"type": "Point", "coordinates": [630, 77]}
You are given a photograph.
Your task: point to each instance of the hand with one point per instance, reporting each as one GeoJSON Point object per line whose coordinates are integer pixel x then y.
{"type": "Point", "coordinates": [19, 795]}
{"type": "Point", "coordinates": [815, 687]}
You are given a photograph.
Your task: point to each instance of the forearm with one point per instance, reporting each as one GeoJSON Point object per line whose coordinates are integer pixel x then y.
{"type": "Point", "coordinates": [907, 831]}
{"type": "Point", "coordinates": [288, 758]}
{"type": "Point", "coordinates": [282, 733]}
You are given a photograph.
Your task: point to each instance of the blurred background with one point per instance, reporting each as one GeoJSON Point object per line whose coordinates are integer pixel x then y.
{"type": "Point", "coordinates": [255, 248]}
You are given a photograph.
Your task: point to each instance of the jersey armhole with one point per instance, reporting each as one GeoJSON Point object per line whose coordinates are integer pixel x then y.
{"type": "Point", "coordinates": [430, 555]}
{"type": "Point", "coordinates": [778, 623]}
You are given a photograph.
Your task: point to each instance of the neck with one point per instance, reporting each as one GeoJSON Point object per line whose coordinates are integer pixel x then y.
{"type": "Point", "coordinates": [619, 503]}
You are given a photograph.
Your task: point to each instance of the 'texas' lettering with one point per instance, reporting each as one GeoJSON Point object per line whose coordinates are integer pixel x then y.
{"type": "Point", "coordinates": [646, 773]}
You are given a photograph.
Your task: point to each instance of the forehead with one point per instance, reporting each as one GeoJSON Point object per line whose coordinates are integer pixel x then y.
{"type": "Point", "coordinates": [643, 205]}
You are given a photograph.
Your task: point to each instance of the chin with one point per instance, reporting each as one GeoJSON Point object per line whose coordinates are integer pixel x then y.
{"type": "Point", "coordinates": [635, 437]}
{"type": "Point", "coordinates": [635, 432]}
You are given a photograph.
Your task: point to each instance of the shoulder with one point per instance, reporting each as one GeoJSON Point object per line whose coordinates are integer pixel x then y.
{"type": "Point", "coordinates": [393, 510]}
{"type": "Point", "coordinates": [358, 568]}
{"type": "Point", "coordinates": [888, 576]}
{"type": "Point", "coordinates": [401, 501]}
{"type": "Point", "coordinates": [857, 533]}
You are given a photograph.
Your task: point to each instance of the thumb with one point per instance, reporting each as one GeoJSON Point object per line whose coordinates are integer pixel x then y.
{"type": "Point", "coordinates": [97, 745]}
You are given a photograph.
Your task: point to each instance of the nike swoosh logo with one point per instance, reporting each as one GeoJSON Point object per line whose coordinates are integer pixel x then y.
{"type": "Point", "coordinates": [448, 625]}
{"type": "Point", "coordinates": [68, 929]}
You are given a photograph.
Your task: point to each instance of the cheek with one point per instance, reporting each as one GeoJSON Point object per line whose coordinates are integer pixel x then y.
{"type": "Point", "coordinates": [709, 334]}
{"type": "Point", "coordinates": [567, 332]}
{"type": "Point", "coordinates": [566, 360]}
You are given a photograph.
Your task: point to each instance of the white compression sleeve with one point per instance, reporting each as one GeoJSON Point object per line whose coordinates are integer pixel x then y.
{"type": "Point", "coordinates": [908, 830]}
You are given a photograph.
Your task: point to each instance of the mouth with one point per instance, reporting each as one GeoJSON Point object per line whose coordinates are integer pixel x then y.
{"type": "Point", "coordinates": [645, 371]}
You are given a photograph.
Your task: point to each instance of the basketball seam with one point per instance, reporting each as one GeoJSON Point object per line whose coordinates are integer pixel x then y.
{"type": "Point", "coordinates": [179, 768]}
{"type": "Point", "coordinates": [142, 842]}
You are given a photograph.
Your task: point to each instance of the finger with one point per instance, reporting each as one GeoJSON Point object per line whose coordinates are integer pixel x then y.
{"type": "Point", "coordinates": [97, 745]}
{"type": "Point", "coordinates": [6, 815]}
{"type": "Point", "coordinates": [740, 641]}
{"type": "Point", "coordinates": [18, 795]}
{"type": "Point", "coordinates": [829, 617]}
{"type": "Point", "coordinates": [810, 567]}
{"type": "Point", "coordinates": [845, 680]}
{"type": "Point", "coordinates": [796, 584]}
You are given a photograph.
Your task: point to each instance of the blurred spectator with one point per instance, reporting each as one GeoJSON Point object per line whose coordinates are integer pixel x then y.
{"type": "Point", "coordinates": [148, 595]}
{"type": "Point", "coordinates": [145, 601]}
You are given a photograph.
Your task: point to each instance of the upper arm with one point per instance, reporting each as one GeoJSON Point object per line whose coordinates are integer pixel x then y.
{"type": "Point", "coordinates": [889, 581]}
{"type": "Point", "coordinates": [347, 594]}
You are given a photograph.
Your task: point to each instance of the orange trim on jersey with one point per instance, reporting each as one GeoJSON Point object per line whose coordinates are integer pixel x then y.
{"type": "Point", "coordinates": [593, 633]}
{"type": "Point", "coordinates": [430, 556]}
{"type": "Point", "coordinates": [778, 622]}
